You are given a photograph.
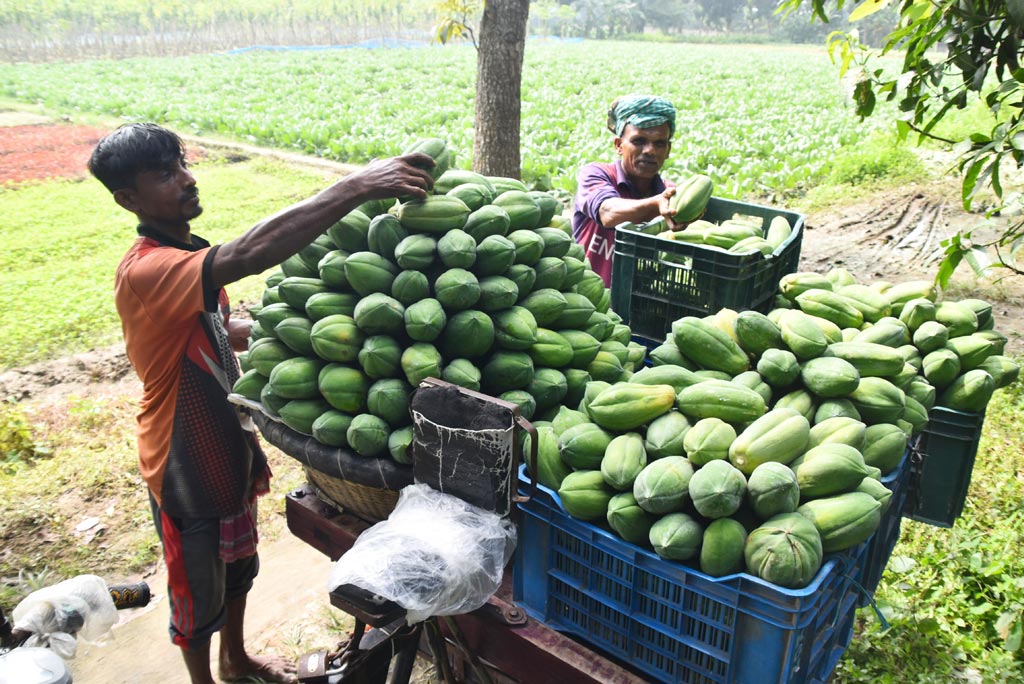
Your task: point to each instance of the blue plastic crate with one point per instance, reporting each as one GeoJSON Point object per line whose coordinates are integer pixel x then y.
{"type": "Point", "coordinates": [883, 541]}
{"type": "Point", "coordinates": [948, 445]}
{"type": "Point", "coordinates": [672, 622]}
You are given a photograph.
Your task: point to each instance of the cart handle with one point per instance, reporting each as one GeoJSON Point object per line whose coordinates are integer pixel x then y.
{"type": "Point", "coordinates": [532, 464]}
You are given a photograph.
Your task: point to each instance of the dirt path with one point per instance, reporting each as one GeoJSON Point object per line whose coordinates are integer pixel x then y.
{"type": "Point", "coordinates": [289, 596]}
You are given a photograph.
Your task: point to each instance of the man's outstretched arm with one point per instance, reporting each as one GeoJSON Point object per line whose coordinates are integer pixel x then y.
{"type": "Point", "coordinates": [278, 237]}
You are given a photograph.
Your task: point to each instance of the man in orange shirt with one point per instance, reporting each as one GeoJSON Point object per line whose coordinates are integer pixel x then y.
{"type": "Point", "coordinates": [197, 452]}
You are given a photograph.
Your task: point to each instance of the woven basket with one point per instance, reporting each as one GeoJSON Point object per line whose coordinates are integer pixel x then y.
{"type": "Point", "coordinates": [367, 487]}
{"type": "Point", "coordinates": [370, 503]}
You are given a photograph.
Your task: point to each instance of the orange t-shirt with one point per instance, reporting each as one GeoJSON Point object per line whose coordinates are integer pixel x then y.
{"type": "Point", "coordinates": [195, 454]}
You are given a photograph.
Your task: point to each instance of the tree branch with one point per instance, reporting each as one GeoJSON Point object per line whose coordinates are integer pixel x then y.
{"type": "Point", "coordinates": [1005, 264]}
{"type": "Point", "coordinates": [914, 127]}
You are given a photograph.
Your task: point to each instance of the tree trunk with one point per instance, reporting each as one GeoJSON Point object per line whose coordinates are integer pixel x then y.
{"type": "Point", "coordinates": [499, 72]}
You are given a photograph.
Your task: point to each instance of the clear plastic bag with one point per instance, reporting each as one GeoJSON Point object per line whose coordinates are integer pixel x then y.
{"type": "Point", "coordinates": [434, 555]}
{"type": "Point", "coordinates": [58, 615]}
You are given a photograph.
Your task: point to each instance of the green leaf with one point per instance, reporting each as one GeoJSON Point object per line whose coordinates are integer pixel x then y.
{"type": "Point", "coordinates": [981, 263]}
{"type": "Point", "coordinates": [840, 40]}
{"type": "Point", "coordinates": [994, 569]}
{"type": "Point", "coordinates": [1008, 626]}
{"type": "Point", "coordinates": [1015, 247]}
{"type": "Point", "coordinates": [867, 9]}
{"type": "Point", "coordinates": [919, 10]}
{"type": "Point", "coordinates": [999, 133]}
{"type": "Point", "coordinates": [901, 564]}
{"type": "Point", "coordinates": [981, 608]}
{"type": "Point", "coordinates": [865, 98]}
{"type": "Point", "coordinates": [1007, 87]}
{"type": "Point", "coordinates": [1014, 638]}
{"type": "Point", "coordinates": [946, 268]}
{"type": "Point", "coordinates": [928, 625]}
{"type": "Point", "coordinates": [903, 129]}
{"type": "Point", "coordinates": [970, 183]}
{"type": "Point", "coordinates": [935, 118]}
{"type": "Point", "coordinates": [962, 148]}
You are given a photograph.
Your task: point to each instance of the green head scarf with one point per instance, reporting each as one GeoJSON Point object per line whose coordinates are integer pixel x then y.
{"type": "Point", "coordinates": [643, 111]}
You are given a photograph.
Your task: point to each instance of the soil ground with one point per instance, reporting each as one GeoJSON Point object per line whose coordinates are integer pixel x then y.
{"type": "Point", "coordinates": [893, 235]}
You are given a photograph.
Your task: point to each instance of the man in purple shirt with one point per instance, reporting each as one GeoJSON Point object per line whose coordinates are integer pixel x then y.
{"type": "Point", "coordinates": [630, 189]}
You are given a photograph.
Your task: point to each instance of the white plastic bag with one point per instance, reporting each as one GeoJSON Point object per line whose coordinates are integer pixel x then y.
{"type": "Point", "coordinates": [33, 666]}
{"type": "Point", "coordinates": [77, 608]}
{"type": "Point", "coordinates": [434, 555]}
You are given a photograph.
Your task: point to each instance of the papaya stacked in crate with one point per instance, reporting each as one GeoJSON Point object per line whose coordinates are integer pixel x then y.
{"type": "Point", "coordinates": [951, 346]}
{"type": "Point", "coordinates": [758, 442]}
{"type": "Point", "coordinates": [957, 355]}
{"type": "Point", "coordinates": [741, 234]}
{"type": "Point", "coordinates": [479, 284]}
{"type": "Point", "coordinates": [718, 254]}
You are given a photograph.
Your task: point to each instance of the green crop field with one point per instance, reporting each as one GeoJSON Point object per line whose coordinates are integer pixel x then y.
{"type": "Point", "coordinates": [758, 120]}
{"type": "Point", "coordinates": [64, 239]}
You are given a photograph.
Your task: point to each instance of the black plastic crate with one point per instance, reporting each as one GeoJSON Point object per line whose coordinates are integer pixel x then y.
{"type": "Point", "coordinates": [948, 445]}
{"type": "Point", "coordinates": [883, 541]}
{"type": "Point", "coordinates": [656, 281]}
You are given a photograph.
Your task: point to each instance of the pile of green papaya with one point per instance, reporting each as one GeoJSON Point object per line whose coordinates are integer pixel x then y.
{"type": "Point", "coordinates": [758, 442]}
{"type": "Point", "coordinates": [480, 284]}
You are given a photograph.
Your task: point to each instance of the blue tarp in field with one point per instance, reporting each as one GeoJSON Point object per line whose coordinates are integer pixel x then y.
{"type": "Point", "coordinates": [368, 44]}
{"type": "Point", "coordinates": [374, 43]}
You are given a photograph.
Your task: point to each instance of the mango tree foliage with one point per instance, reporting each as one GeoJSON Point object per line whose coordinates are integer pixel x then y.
{"type": "Point", "coordinates": [456, 20]}
{"type": "Point", "coordinates": [955, 52]}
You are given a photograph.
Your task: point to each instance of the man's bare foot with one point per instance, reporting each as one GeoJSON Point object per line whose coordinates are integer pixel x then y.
{"type": "Point", "coordinates": [258, 669]}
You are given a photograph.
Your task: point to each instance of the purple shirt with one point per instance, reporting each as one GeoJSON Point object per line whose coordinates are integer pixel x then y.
{"type": "Point", "coordinates": [597, 182]}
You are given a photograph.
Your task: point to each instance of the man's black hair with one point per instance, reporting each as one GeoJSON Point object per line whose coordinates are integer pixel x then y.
{"type": "Point", "coordinates": [132, 149]}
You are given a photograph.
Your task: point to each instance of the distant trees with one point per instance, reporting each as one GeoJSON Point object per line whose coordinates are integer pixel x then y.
{"type": "Point", "coordinates": [618, 18]}
{"type": "Point", "coordinates": [671, 16]}
{"type": "Point", "coordinates": [38, 30]}
{"type": "Point", "coordinates": [42, 30]}
{"type": "Point", "coordinates": [615, 18]}
{"type": "Point", "coordinates": [720, 13]}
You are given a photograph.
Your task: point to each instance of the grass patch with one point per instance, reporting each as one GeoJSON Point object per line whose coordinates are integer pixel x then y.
{"type": "Point", "coordinates": [954, 598]}
{"type": "Point", "coordinates": [860, 172]}
{"type": "Point", "coordinates": [92, 473]}
{"type": "Point", "coordinates": [63, 241]}
{"type": "Point", "coordinates": [878, 159]}
{"type": "Point", "coordinates": [18, 444]}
